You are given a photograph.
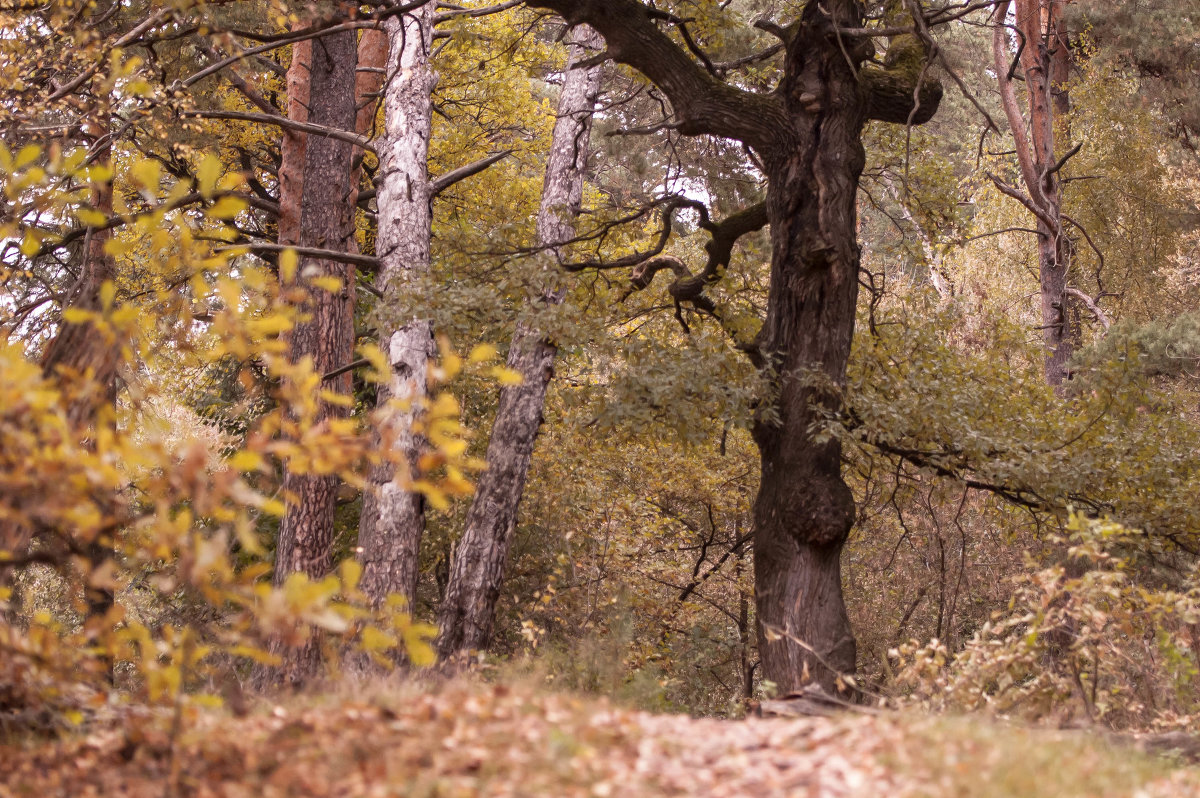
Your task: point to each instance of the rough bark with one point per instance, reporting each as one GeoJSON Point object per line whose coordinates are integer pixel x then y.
{"type": "Point", "coordinates": [327, 335]}
{"type": "Point", "coordinates": [1044, 61]}
{"type": "Point", "coordinates": [393, 516]}
{"type": "Point", "coordinates": [808, 134]}
{"type": "Point", "coordinates": [468, 608]}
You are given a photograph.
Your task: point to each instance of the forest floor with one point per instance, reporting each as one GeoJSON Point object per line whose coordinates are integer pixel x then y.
{"type": "Point", "coordinates": [460, 739]}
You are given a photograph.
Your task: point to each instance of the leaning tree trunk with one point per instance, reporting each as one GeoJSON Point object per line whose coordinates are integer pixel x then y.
{"type": "Point", "coordinates": [393, 516]}
{"type": "Point", "coordinates": [326, 221]}
{"type": "Point", "coordinates": [1044, 61]}
{"type": "Point", "coordinates": [469, 607]}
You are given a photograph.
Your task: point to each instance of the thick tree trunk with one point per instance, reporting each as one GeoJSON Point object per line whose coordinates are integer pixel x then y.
{"type": "Point", "coordinates": [469, 607]}
{"type": "Point", "coordinates": [327, 335]}
{"type": "Point", "coordinates": [804, 509]}
{"type": "Point", "coordinates": [393, 516]}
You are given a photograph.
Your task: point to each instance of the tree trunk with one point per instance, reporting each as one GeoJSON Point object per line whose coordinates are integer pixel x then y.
{"type": "Point", "coordinates": [291, 151]}
{"type": "Point", "coordinates": [1044, 61]}
{"type": "Point", "coordinates": [469, 607]}
{"type": "Point", "coordinates": [327, 335]}
{"type": "Point", "coordinates": [804, 510]}
{"type": "Point", "coordinates": [393, 516]}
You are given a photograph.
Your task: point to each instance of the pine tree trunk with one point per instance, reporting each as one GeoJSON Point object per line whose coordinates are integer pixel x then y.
{"type": "Point", "coordinates": [393, 516]}
{"type": "Point", "coordinates": [1044, 59]}
{"type": "Point", "coordinates": [326, 221]}
{"type": "Point", "coordinates": [477, 570]}
{"type": "Point", "coordinates": [292, 147]}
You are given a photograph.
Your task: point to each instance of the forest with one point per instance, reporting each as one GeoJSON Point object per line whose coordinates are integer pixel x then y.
{"type": "Point", "coordinates": [565, 397]}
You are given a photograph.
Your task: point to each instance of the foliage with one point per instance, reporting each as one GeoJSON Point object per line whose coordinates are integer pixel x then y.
{"type": "Point", "coordinates": [1091, 637]}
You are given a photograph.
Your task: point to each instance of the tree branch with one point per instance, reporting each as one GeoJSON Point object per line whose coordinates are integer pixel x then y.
{"type": "Point", "coordinates": [284, 122]}
{"type": "Point", "coordinates": [443, 182]}
{"type": "Point", "coordinates": [703, 104]}
{"type": "Point", "coordinates": [367, 262]}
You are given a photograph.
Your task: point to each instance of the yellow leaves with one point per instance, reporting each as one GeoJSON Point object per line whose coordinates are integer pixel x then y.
{"type": "Point", "coordinates": [30, 244]}
{"type": "Point", "coordinates": [244, 460]}
{"type": "Point", "coordinates": [269, 326]}
{"type": "Point", "coordinates": [288, 263]}
{"type": "Point", "coordinates": [373, 640]}
{"type": "Point", "coordinates": [91, 217]}
{"type": "Point", "coordinates": [505, 376]}
{"type": "Point", "coordinates": [481, 353]}
{"type": "Point", "coordinates": [108, 293]}
{"type": "Point", "coordinates": [417, 639]}
{"type": "Point", "coordinates": [207, 174]}
{"type": "Point", "coordinates": [146, 173]}
{"type": "Point", "coordinates": [27, 155]}
{"type": "Point", "coordinates": [328, 283]}
{"type": "Point", "coordinates": [351, 572]}
{"type": "Point", "coordinates": [380, 369]}
{"type": "Point", "coordinates": [226, 208]}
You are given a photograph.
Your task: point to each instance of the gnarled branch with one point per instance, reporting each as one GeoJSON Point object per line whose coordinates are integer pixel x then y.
{"type": "Point", "coordinates": [702, 103]}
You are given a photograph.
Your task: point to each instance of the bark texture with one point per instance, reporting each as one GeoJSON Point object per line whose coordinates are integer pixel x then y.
{"type": "Point", "coordinates": [468, 608]}
{"type": "Point", "coordinates": [393, 516]}
{"type": "Point", "coordinates": [808, 135]}
{"type": "Point", "coordinates": [327, 335]}
{"type": "Point", "coordinates": [291, 151]}
{"type": "Point", "coordinates": [1044, 62]}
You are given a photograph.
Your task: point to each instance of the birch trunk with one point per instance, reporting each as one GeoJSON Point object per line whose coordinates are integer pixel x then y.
{"type": "Point", "coordinates": [469, 608]}
{"type": "Point", "coordinates": [393, 517]}
{"type": "Point", "coordinates": [326, 221]}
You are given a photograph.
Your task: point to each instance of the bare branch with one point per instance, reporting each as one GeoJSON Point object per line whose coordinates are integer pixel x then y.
{"type": "Point", "coordinates": [443, 182]}
{"type": "Point", "coordinates": [284, 122]}
{"type": "Point", "coordinates": [1091, 305]}
{"type": "Point", "coordinates": [369, 263]}
{"type": "Point", "coordinates": [702, 103]}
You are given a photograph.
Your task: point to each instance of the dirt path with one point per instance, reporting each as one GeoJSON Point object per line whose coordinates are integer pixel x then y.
{"type": "Point", "coordinates": [480, 741]}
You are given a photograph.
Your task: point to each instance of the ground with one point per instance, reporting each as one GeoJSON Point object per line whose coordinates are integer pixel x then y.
{"type": "Point", "coordinates": [463, 739]}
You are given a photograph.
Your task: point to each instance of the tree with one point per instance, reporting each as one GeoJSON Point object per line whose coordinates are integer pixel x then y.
{"type": "Point", "coordinates": [325, 91]}
{"type": "Point", "coordinates": [1044, 55]}
{"type": "Point", "coordinates": [469, 607]}
{"type": "Point", "coordinates": [808, 137]}
{"type": "Point", "coordinates": [393, 515]}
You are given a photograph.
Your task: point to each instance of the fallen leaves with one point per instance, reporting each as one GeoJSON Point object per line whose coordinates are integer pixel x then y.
{"type": "Point", "coordinates": [460, 739]}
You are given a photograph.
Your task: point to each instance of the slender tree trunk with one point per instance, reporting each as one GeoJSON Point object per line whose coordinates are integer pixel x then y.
{"type": "Point", "coordinates": [291, 161]}
{"type": "Point", "coordinates": [326, 221]}
{"type": "Point", "coordinates": [469, 607]}
{"type": "Point", "coordinates": [1044, 59]}
{"type": "Point", "coordinates": [393, 516]}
